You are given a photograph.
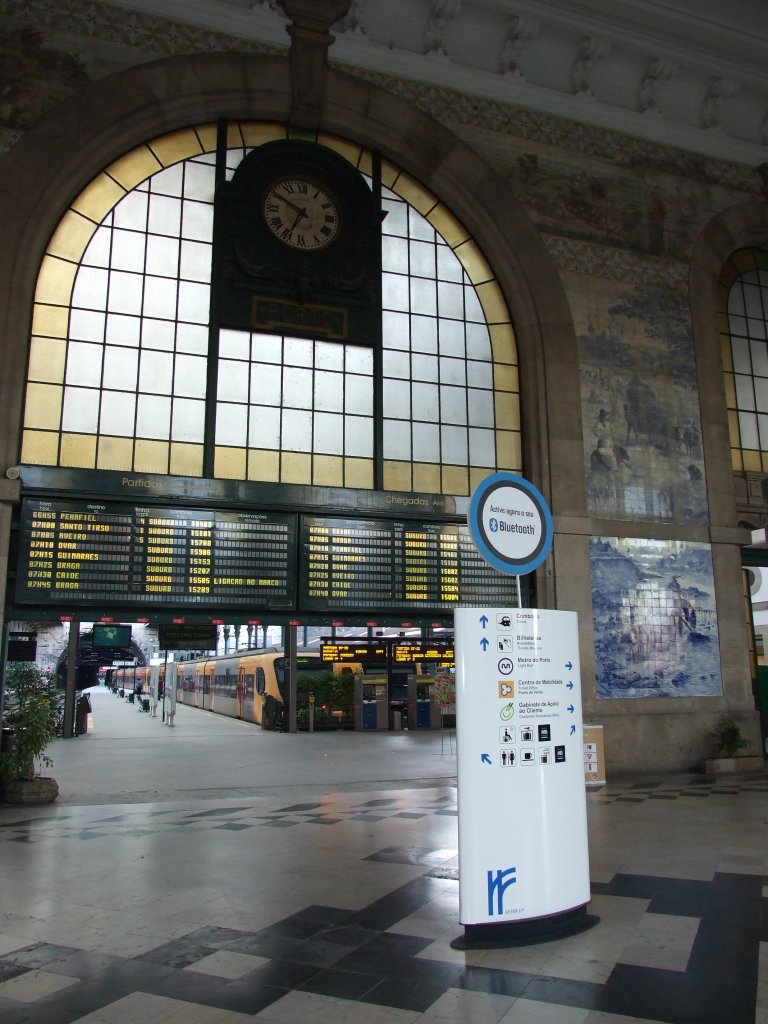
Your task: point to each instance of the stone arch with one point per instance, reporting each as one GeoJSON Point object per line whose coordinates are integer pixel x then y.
{"type": "Point", "coordinates": [58, 158]}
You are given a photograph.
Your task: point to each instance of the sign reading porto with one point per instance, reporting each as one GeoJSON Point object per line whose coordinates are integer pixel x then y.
{"type": "Point", "coordinates": [510, 523]}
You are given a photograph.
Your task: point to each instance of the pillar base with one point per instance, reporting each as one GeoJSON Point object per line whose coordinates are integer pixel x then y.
{"type": "Point", "coordinates": [525, 933]}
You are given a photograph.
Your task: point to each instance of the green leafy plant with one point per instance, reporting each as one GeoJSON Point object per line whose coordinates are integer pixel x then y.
{"type": "Point", "coordinates": [729, 737]}
{"type": "Point", "coordinates": [33, 710]}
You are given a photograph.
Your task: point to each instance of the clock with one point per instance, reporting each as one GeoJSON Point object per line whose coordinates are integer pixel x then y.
{"type": "Point", "coordinates": [301, 213]}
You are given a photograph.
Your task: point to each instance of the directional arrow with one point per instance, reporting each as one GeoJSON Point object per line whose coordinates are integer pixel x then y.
{"type": "Point", "coordinates": [569, 665]}
{"type": "Point", "coordinates": [573, 729]}
{"type": "Point", "coordinates": [484, 643]}
{"type": "Point", "coordinates": [483, 621]}
{"type": "Point", "coordinates": [570, 708]}
{"type": "Point", "coordinates": [569, 685]}
{"type": "Point", "coordinates": [485, 758]}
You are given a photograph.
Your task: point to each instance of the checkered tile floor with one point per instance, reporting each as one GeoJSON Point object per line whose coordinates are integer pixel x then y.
{"type": "Point", "coordinates": [201, 911]}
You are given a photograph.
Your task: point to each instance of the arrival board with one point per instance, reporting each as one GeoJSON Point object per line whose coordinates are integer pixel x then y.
{"type": "Point", "coordinates": [115, 553]}
{"type": "Point", "coordinates": [377, 564]}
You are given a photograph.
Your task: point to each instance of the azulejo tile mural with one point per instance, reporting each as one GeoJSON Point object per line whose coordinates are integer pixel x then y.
{"type": "Point", "coordinates": [642, 435]}
{"type": "Point", "coordinates": [653, 609]}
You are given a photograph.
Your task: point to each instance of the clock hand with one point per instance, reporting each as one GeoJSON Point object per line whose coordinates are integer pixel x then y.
{"type": "Point", "coordinates": [300, 215]}
{"type": "Point", "coordinates": [300, 210]}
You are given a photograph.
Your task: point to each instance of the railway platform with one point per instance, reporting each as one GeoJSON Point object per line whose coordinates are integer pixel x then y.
{"type": "Point", "coordinates": [217, 873]}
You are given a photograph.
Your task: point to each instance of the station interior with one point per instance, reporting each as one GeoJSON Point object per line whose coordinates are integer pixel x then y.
{"type": "Point", "coordinates": [383, 510]}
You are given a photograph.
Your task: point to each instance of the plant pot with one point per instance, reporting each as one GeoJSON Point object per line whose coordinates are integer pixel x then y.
{"type": "Point", "coordinates": [40, 790]}
{"type": "Point", "coordinates": [733, 765]}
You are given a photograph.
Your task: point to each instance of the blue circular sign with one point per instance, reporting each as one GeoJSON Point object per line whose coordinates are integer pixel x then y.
{"type": "Point", "coordinates": [510, 523]}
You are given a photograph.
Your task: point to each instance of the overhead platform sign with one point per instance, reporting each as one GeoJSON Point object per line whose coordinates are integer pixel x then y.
{"type": "Point", "coordinates": [523, 855]}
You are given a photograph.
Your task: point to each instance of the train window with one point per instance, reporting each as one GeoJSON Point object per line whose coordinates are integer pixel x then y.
{"type": "Point", "coordinates": [261, 682]}
{"type": "Point", "coordinates": [248, 681]}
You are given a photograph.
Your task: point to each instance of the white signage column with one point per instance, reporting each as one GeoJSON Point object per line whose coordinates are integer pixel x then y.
{"type": "Point", "coordinates": [523, 852]}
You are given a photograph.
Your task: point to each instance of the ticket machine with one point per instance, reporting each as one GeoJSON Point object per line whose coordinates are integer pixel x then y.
{"type": "Point", "coordinates": [422, 698]}
{"type": "Point", "coordinates": [371, 702]}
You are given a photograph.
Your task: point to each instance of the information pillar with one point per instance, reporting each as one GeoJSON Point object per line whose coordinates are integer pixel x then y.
{"type": "Point", "coordinates": [523, 855]}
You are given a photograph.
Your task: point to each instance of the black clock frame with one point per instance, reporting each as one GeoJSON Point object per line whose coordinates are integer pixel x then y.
{"type": "Point", "coordinates": [262, 284]}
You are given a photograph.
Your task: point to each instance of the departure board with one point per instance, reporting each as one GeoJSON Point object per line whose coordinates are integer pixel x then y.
{"type": "Point", "coordinates": [411, 652]}
{"type": "Point", "coordinates": [116, 553]}
{"type": "Point", "coordinates": [378, 564]}
{"type": "Point", "coordinates": [364, 653]}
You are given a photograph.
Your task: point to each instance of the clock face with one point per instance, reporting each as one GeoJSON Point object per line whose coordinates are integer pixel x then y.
{"type": "Point", "coordinates": [301, 213]}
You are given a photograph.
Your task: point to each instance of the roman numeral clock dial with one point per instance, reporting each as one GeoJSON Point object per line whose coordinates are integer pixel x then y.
{"type": "Point", "coordinates": [301, 214]}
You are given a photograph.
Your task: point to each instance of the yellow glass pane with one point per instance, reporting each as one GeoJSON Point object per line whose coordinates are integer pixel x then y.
{"type": "Point", "coordinates": [358, 473]}
{"type": "Point", "coordinates": [328, 471]}
{"type": "Point", "coordinates": [349, 150]}
{"type": "Point", "coordinates": [507, 411]}
{"type": "Point", "coordinates": [43, 406]}
{"type": "Point", "coordinates": [264, 465]}
{"type": "Point", "coordinates": [133, 168]}
{"type": "Point", "coordinates": [473, 261]}
{"type": "Point", "coordinates": [175, 146]}
{"type": "Point", "coordinates": [55, 280]}
{"type": "Point", "coordinates": [39, 448]}
{"type": "Point", "coordinates": [493, 303]}
{"type": "Point", "coordinates": [365, 163]}
{"type": "Point", "coordinates": [727, 354]}
{"type": "Point", "coordinates": [296, 468]}
{"type": "Point", "coordinates": [78, 450]}
{"type": "Point", "coordinates": [207, 135]}
{"type": "Point", "coordinates": [503, 343]}
{"type": "Point", "coordinates": [229, 463]}
{"type": "Point", "coordinates": [455, 480]}
{"type": "Point", "coordinates": [426, 476]}
{"type": "Point", "coordinates": [98, 198]}
{"type": "Point", "coordinates": [764, 462]}
{"type": "Point", "coordinates": [508, 450]}
{"type": "Point", "coordinates": [71, 236]}
{"type": "Point", "coordinates": [506, 378]}
{"type": "Point", "coordinates": [115, 453]}
{"type": "Point", "coordinates": [733, 428]}
{"type": "Point", "coordinates": [476, 476]}
{"type": "Point", "coordinates": [413, 192]}
{"type": "Point", "coordinates": [752, 461]}
{"type": "Point", "coordinates": [736, 459]}
{"type": "Point", "coordinates": [186, 459]}
{"type": "Point", "coordinates": [46, 360]}
{"type": "Point", "coordinates": [389, 173]}
{"type": "Point", "coordinates": [256, 133]}
{"type": "Point", "coordinates": [234, 135]}
{"type": "Point", "coordinates": [151, 456]}
{"type": "Point", "coordinates": [397, 476]}
{"type": "Point", "coordinates": [446, 225]}
{"type": "Point", "coordinates": [730, 391]}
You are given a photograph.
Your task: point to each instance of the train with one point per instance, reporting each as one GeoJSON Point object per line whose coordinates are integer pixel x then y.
{"type": "Point", "coordinates": [251, 686]}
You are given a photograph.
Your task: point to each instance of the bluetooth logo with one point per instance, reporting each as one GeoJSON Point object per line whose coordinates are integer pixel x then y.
{"type": "Point", "coordinates": [493, 525]}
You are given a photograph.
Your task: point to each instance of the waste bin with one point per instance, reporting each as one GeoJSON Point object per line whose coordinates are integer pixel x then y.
{"type": "Point", "coordinates": [82, 710]}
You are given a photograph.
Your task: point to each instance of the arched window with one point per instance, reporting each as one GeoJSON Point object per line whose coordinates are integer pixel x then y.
{"type": "Point", "coordinates": [743, 307]}
{"type": "Point", "coordinates": [118, 372]}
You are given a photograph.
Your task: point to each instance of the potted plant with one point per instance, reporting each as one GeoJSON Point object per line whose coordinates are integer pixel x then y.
{"type": "Point", "coordinates": [730, 742]}
{"type": "Point", "coordinates": [31, 720]}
